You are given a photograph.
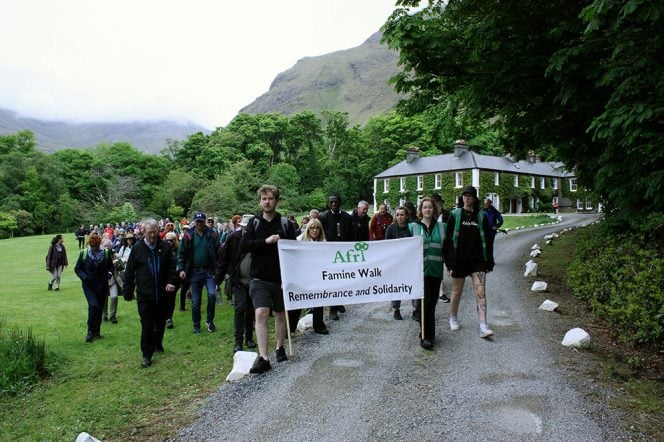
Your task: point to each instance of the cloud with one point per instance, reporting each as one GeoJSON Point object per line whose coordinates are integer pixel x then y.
{"type": "Point", "coordinates": [191, 61]}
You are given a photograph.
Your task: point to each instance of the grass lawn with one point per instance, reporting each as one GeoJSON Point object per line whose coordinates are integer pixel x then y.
{"type": "Point", "coordinates": [511, 222]}
{"type": "Point", "coordinates": [100, 387]}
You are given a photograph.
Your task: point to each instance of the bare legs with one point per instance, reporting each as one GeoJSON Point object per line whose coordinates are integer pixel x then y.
{"type": "Point", "coordinates": [479, 286]}
{"type": "Point", "coordinates": [262, 314]}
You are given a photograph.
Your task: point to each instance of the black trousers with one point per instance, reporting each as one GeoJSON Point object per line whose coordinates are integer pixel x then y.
{"type": "Point", "coordinates": [243, 314]}
{"type": "Point", "coordinates": [183, 293]}
{"type": "Point", "coordinates": [431, 287]}
{"type": "Point", "coordinates": [294, 317]}
{"type": "Point", "coordinates": [153, 322]}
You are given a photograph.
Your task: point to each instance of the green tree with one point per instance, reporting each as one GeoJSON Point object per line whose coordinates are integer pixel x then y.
{"type": "Point", "coordinates": [584, 78]}
{"type": "Point", "coordinates": [8, 225]}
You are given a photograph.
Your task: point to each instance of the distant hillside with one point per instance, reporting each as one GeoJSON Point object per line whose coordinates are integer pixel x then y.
{"type": "Point", "coordinates": [56, 135]}
{"type": "Point", "coordinates": [353, 80]}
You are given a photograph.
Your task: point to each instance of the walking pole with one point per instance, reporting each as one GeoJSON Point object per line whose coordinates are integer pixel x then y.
{"type": "Point", "coordinates": [290, 344]}
{"type": "Point", "coordinates": [422, 316]}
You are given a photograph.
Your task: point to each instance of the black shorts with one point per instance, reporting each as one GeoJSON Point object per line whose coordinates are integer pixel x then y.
{"type": "Point", "coordinates": [266, 294]}
{"type": "Point", "coordinates": [464, 269]}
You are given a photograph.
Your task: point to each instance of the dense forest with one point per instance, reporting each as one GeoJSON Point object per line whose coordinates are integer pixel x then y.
{"type": "Point", "coordinates": [578, 82]}
{"type": "Point", "coordinates": [217, 173]}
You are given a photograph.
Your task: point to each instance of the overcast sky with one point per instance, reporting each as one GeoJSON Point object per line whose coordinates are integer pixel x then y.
{"type": "Point", "coordinates": [198, 60]}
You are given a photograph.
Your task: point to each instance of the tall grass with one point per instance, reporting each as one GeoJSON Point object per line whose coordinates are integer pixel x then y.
{"type": "Point", "coordinates": [23, 360]}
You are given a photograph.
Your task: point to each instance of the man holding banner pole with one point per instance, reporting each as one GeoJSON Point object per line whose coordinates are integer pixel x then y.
{"type": "Point", "coordinates": [263, 232]}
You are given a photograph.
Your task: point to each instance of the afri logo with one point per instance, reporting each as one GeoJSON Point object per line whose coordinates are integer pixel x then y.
{"type": "Point", "coordinates": [355, 254]}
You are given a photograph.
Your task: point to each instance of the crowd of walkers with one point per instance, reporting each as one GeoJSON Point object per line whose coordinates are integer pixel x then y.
{"type": "Point", "coordinates": [150, 261]}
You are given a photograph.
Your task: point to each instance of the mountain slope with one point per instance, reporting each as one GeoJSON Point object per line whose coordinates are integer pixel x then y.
{"type": "Point", "coordinates": [352, 80]}
{"type": "Point", "coordinates": [56, 135]}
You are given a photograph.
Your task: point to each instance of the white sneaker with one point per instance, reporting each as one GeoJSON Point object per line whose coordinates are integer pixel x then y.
{"type": "Point", "coordinates": [485, 331]}
{"type": "Point", "coordinates": [454, 324]}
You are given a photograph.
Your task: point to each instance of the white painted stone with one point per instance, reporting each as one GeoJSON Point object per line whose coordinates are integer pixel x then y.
{"type": "Point", "coordinates": [549, 242]}
{"type": "Point", "coordinates": [535, 253]}
{"type": "Point", "coordinates": [242, 362]}
{"type": "Point", "coordinates": [307, 321]}
{"type": "Point", "coordinates": [576, 337]}
{"type": "Point", "coordinates": [539, 286]}
{"type": "Point", "coordinates": [531, 269]}
{"type": "Point", "coordinates": [548, 237]}
{"type": "Point", "coordinates": [85, 437]}
{"type": "Point", "coordinates": [535, 247]}
{"type": "Point", "coordinates": [554, 235]}
{"type": "Point", "coordinates": [548, 306]}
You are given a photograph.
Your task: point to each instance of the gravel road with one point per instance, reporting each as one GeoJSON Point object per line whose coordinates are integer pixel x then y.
{"type": "Point", "coordinates": [369, 379]}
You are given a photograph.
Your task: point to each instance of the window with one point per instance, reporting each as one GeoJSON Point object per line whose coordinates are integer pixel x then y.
{"type": "Point", "coordinates": [589, 203]}
{"type": "Point", "coordinates": [438, 181]}
{"type": "Point", "coordinates": [542, 183]}
{"type": "Point", "coordinates": [386, 186]}
{"type": "Point", "coordinates": [420, 182]}
{"type": "Point", "coordinates": [458, 179]}
{"type": "Point", "coordinates": [516, 180]}
{"type": "Point", "coordinates": [572, 184]}
{"type": "Point", "coordinates": [496, 179]}
{"type": "Point", "coordinates": [402, 184]}
{"type": "Point", "coordinates": [579, 204]}
{"type": "Point", "coordinates": [554, 183]}
{"type": "Point", "coordinates": [532, 182]}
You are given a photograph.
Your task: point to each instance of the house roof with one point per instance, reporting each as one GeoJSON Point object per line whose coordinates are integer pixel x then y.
{"type": "Point", "coordinates": [471, 160]}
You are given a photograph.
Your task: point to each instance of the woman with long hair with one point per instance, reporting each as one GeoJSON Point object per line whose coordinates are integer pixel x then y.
{"type": "Point", "coordinates": [398, 229]}
{"type": "Point", "coordinates": [93, 267]}
{"type": "Point", "coordinates": [468, 252]}
{"type": "Point", "coordinates": [56, 261]}
{"type": "Point", "coordinates": [432, 233]}
{"type": "Point", "coordinates": [313, 231]}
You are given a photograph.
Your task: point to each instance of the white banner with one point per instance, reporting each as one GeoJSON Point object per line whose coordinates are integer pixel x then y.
{"type": "Point", "coordinates": [316, 274]}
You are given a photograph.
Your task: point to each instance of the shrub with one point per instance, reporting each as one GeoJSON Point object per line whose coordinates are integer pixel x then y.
{"type": "Point", "coordinates": [23, 360]}
{"type": "Point", "coordinates": [622, 278]}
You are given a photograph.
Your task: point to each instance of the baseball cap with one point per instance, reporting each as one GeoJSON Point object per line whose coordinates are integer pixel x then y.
{"type": "Point", "coordinates": [199, 216]}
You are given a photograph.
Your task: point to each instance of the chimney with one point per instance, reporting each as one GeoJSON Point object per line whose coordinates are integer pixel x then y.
{"type": "Point", "coordinates": [412, 154]}
{"type": "Point", "coordinates": [532, 158]}
{"type": "Point", "coordinates": [460, 147]}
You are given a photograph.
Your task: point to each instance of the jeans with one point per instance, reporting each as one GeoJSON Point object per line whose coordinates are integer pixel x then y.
{"type": "Point", "coordinates": [56, 275]}
{"type": "Point", "coordinates": [95, 297]}
{"type": "Point", "coordinates": [202, 278]}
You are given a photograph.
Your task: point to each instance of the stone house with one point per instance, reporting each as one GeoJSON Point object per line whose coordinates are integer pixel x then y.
{"type": "Point", "coordinates": [514, 186]}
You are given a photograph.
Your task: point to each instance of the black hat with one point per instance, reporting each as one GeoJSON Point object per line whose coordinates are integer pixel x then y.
{"type": "Point", "coordinates": [470, 190]}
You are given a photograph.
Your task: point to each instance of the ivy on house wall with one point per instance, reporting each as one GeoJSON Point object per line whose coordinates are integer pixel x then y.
{"type": "Point", "coordinates": [505, 190]}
